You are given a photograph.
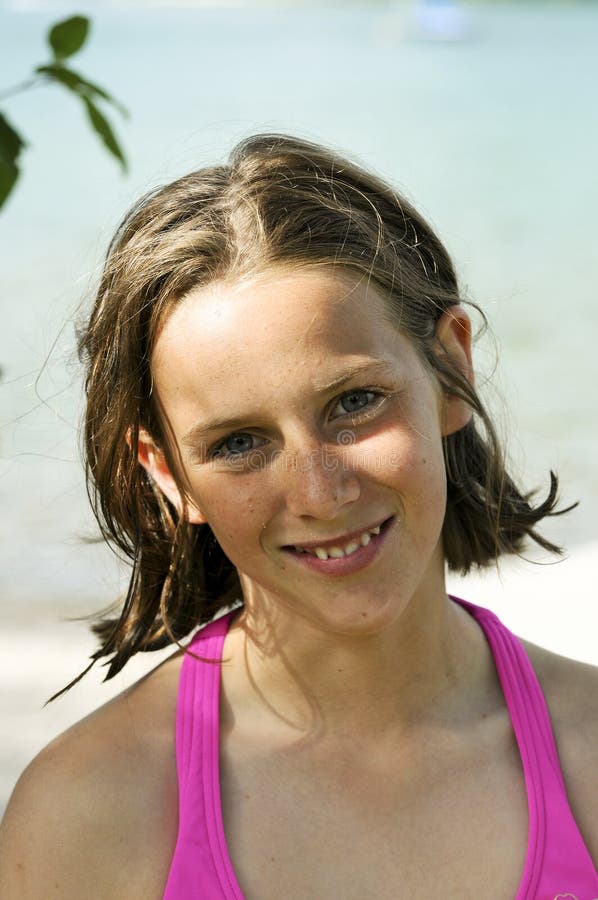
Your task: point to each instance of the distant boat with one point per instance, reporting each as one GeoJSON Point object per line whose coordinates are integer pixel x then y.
{"type": "Point", "coordinates": [441, 20]}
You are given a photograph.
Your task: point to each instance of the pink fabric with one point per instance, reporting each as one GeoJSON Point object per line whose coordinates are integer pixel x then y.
{"type": "Point", "coordinates": [557, 865]}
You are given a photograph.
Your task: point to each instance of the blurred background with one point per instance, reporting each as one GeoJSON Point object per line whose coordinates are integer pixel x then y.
{"type": "Point", "coordinates": [483, 114]}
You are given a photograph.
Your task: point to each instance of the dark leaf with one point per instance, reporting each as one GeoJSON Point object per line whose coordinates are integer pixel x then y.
{"type": "Point", "coordinates": [68, 36]}
{"type": "Point", "coordinates": [79, 85]}
{"type": "Point", "coordinates": [9, 172]}
{"type": "Point", "coordinates": [103, 128]}
{"type": "Point", "coordinates": [11, 142]}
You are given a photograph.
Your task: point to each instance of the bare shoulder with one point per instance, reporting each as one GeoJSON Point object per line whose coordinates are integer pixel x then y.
{"type": "Point", "coordinates": [97, 798]}
{"type": "Point", "coordinates": [570, 688]}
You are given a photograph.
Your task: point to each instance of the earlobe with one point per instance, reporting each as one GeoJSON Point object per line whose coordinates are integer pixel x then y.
{"type": "Point", "coordinates": [152, 458]}
{"type": "Point", "coordinates": [453, 335]}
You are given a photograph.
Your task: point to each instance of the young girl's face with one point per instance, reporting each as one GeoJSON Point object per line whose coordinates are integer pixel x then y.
{"type": "Point", "coordinates": [334, 427]}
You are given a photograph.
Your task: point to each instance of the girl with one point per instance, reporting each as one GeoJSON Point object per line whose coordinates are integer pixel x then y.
{"type": "Point", "coordinates": [283, 433]}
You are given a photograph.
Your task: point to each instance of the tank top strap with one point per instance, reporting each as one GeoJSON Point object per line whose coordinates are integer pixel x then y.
{"type": "Point", "coordinates": [558, 862]}
{"type": "Point", "coordinates": [201, 868]}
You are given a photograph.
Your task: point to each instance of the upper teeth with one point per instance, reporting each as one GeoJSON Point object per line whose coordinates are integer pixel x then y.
{"type": "Point", "coordinates": [336, 552]}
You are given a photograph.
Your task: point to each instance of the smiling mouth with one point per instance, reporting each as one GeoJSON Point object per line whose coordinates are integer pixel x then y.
{"type": "Point", "coordinates": [342, 548]}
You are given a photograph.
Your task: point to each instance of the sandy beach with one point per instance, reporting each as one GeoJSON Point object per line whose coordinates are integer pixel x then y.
{"type": "Point", "coordinates": [554, 605]}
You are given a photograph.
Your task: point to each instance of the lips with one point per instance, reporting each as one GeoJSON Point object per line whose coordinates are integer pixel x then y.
{"type": "Point", "coordinates": [343, 564]}
{"type": "Point", "coordinates": [342, 546]}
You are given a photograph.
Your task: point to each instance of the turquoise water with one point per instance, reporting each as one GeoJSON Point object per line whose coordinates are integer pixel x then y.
{"type": "Point", "coordinates": [494, 138]}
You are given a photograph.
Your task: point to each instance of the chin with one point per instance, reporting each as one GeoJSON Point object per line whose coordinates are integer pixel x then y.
{"type": "Point", "coordinates": [352, 619]}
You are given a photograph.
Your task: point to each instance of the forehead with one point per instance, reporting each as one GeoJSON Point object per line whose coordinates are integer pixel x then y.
{"type": "Point", "coordinates": [271, 332]}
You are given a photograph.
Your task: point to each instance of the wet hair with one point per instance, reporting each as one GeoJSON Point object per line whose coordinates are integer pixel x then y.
{"type": "Point", "coordinates": [278, 202]}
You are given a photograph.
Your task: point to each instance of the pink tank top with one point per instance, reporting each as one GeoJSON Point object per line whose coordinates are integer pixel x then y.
{"type": "Point", "coordinates": [557, 865]}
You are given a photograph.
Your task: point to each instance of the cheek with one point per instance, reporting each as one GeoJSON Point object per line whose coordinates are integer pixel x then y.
{"type": "Point", "coordinates": [404, 457]}
{"type": "Point", "coordinates": [235, 509]}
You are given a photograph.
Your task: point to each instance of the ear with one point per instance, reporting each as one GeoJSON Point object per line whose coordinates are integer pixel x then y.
{"type": "Point", "coordinates": [154, 462]}
{"type": "Point", "coordinates": [453, 335]}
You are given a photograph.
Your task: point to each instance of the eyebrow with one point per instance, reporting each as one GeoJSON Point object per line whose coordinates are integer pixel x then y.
{"type": "Point", "coordinates": [202, 429]}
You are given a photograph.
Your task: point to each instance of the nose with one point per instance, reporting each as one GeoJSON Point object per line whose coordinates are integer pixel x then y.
{"type": "Point", "coordinates": [319, 481]}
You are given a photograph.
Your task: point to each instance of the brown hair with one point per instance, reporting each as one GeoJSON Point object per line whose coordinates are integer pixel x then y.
{"type": "Point", "coordinates": [279, 201]}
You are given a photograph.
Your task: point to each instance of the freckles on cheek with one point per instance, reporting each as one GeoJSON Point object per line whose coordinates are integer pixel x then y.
{"type": "Point", "coordinates": [237, 514]}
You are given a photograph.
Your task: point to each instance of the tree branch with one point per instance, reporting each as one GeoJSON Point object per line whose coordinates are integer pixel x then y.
{"type": "Point", "coordinates": [19, 88]}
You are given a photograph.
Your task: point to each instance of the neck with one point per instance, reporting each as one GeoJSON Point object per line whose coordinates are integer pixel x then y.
{"type": "Point", "coordinates": [429, 665]}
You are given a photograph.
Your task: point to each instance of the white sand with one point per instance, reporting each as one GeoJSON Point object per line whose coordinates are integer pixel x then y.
{"type": "Point", "coordinates": [553, 605]}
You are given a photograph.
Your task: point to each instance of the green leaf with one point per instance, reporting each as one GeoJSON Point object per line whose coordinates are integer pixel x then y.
{"type": "Point", "coordinates": [103, 128]}
{"type": "Point", "coordinates": [67, 37]}
{"type": "Point", "coordinates": [79, 85]}
{"type": "Point", "coordinates": [9, 173]}
{"type": "Point", "coordinates": [11, 144]}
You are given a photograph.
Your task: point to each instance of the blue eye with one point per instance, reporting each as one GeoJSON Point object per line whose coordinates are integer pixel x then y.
{"type": "Point", "coordinates": [357, 399]}
{"type": "Point", "coordinates": [233, 445]}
